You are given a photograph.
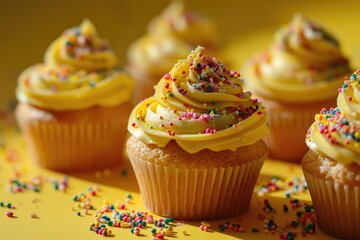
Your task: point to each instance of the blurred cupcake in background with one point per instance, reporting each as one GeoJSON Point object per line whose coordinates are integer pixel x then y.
{"type": "Point", "coordinates": [73, 108]}
{"type": "Point", "coordinates": [332, 165]}
{"type": "Point", "coordinates": [170, 36]}
{"type": "Point", "coordinates": [296, 77]}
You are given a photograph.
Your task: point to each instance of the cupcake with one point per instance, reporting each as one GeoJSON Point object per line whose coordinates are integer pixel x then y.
{"type": "Point", "coordinates": [296, 77]}
{"type": "Point", "coordinates": [332, 165]}
{"type": "Point", "coordinates": [74, 107]}
{"type": "Point", "coordinates": [196, 145]}
{"type": "Point", "coordinates": [170, 36]}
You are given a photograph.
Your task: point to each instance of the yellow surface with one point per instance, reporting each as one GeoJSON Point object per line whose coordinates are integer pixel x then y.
{"type": "Point", "coordinates": [57, 218]}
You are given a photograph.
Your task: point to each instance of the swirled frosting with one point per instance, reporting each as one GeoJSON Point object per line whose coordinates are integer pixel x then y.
{"type": "Point", "coordinates": [171, 36]}
{"type": "Point", "coordinates": [79, 72]}
{"type": "Point", "coordinates": [303, 64]}
{"type": "Point", "coordinates": [336, 132]}
{"type": "Point", "coordinates": [201, 105]}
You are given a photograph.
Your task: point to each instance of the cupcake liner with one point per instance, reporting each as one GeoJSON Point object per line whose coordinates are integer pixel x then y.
{"type": "Point", "coordinates": [337, 207]}
{"type": "Point", "coordinates": [65, 146]}
{"type": "Point", "coordinates": [196, 193]}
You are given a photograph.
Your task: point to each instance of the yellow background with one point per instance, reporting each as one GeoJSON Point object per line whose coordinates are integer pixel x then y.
{"type": "Point", "coordinates": [28, 27]}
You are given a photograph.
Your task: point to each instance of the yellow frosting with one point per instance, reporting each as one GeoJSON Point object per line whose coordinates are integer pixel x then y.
{"type": "Point", "coordinates": [171, 36]}
{"type": "Point", "coordinates": [79, 72]}
{"type": "Point", "coordinates": [336, 132]}
{"type": "Point", "coordinates": [304, 64]}
{"type": "Point", "coordinates": [201, 105]}
{"type": "Point", "coordinates": [179, 22]}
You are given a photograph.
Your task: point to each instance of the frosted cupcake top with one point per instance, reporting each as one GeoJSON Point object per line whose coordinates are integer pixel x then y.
{"type": "Point", "coordinates": [303, 64]}
{"type": "Point", "coordinates": [336, 132]}
{"type": "Point", "coordinates": [201, 105]}
{"type": "Point", "coordinates": [171, 36]}
{"type": "Point", "coordinates": [79, 72]}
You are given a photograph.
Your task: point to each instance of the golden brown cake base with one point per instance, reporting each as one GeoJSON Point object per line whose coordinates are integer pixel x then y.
{"type": "Point", "coordinates": [201, 186]}
{"type": "Point", "coordinates": [335, 192]}
{"type": "Point", "coordinates": [74, 140]}
{"type": "Point", "coordinates": [288, 125]}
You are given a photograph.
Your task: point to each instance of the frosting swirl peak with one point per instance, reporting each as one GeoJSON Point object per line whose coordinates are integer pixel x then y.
{"type": "Point", "coordinates": [199, 104]}
{"type": "Point", "coordinates": [336, 132]}
{"type": "Point", "coordinates": [303, 64]}
{"type": "Point", "coordinates": [178, 21]}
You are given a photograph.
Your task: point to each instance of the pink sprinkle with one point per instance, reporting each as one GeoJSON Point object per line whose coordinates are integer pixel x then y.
{"type": "Point", "coordinates": [259, 113]}
{"type": "Point", "coordinates": [349, 98]}
{"type": "Point", "coordinates": [171, 124]}
{"type": "Point", "coordinates": [323, 110]}
{"type": "Point", "coordinates": [167, 85]}
{"type": "Point", "coordinates": [167, 76]}
{"type": "Point", "coordinates": [239, 95]}
{"type": "Point", "coordinates": [339, 90]}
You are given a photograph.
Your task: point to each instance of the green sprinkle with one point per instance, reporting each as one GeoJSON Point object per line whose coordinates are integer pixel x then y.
{"type": "Point", "coordinates": [285, 208]}
{"type": "Point", "coordinates": [124, 172]}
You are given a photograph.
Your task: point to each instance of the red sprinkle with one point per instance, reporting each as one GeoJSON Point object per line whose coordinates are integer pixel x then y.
{"type": "Point", "coordinates": [9, 214]}
{"type": "Point", "coordinates": [167, 76]}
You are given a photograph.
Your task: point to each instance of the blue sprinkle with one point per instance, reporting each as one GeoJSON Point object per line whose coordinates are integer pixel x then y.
{"type": "Point", "coordinates": [92, 84]}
